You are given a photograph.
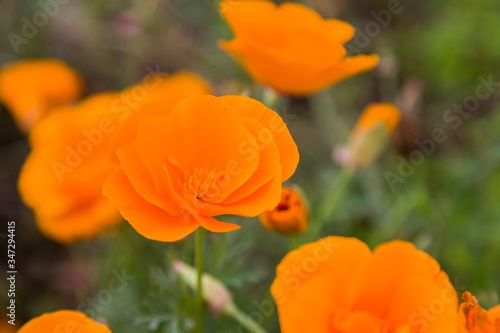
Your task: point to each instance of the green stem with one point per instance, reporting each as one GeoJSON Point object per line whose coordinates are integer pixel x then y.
{"type": "Point", "coordinates": [200, 304]}
{"type": "Point", "coordinates": [294, 242]}
{"type": "Point", "coordinates": [232, 310]}
{"type": "Point", "coordinates": [331, 200]}
{"type": "Point", "coordinates": [394, 218]}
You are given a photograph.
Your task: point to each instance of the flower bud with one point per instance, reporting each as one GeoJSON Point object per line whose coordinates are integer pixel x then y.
{"type": "Point", "coordinates": [214, 291]}
{"type": "Point", "coordinates": [369, 136]}
{"type": "Point", "coordinates": [291, 216]}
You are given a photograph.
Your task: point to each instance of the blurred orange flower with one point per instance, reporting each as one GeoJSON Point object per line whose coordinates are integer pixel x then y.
{"type": "Point", "coordinates": [290, 47]}
{"type": "Point", "coordinates": [182, 83]}
{"type": "Point", "coordinates": [377, 122]}
{"type": "Point", "coordinates": [184, 160]}
{"type": "Point", "coordinates": [158, 85]}
{"type": "Point", "coordinates": [338, 285]}
{"type": "Point", "coordinates": [62, 177]}
{"type": "Point", "coordinates": [385, 114]}
{"type": "Point", "coordinates": [290, 216]}
{"type": "Point", "coordinates": [63, 321]}
{"type": "Point", "coordinates": [6, 327]}
{"type": "Point", "coordinates": [31, 88]}
{"type": "Point", "coordinates": [474, 319]}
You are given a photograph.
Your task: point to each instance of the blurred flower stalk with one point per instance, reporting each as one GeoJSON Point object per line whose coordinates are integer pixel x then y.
{"type": "Point", "coordinates": [216, 294]}
{"type": "Point", "coordinates": [369, 137]}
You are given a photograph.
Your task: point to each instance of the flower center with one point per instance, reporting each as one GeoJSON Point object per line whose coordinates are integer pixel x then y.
{"type": "Point", "coordinates": [201, 185]}
{"type": "Point", "coordinates": [284, 203]}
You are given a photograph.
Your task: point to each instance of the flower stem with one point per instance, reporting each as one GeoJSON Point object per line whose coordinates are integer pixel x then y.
{"type": "Point", "coordinates": [232, 310]}
{"type": "Point", "coordinates": [331, 200]}
{"type": "Point", "coordinates": [395, 217]}
{"type": "Point", "coordinates": [200, 304]}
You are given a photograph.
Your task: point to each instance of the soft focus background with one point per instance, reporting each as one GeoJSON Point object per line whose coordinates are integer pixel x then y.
{"type": "Point", "coordinates": [434, 56]}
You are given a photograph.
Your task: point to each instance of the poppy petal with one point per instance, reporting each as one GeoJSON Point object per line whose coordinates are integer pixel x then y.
{"type": "Point", "coordinates": [149, 220]}
{"type": "Point", "coordinates": [339, 31]}
{"type": "Point", "coordinates": [350, 66]}
{"type": "Point", "coordinates": [127, 131]}
{"type": "Point", "coordinates": [306, 270]}
{"type": "Point", "coordinates": [214, 225]}
{"type": "Point", "coordinates": [269, 161]}
{"type": "Point", "coordinates": [141, 179]}
{"type": "Point", "coordinates": [375, 286]}
{"type": "Point", "coordinates": [249, 18]}
{"type": "Point", "coordinates": [289, 153]}
{"type": "Point", "coordinates": [424, 306]}
{"type": "Point", "coordinates": [263, 198]}
{"type": "Point", "coordinates": [63, 321]}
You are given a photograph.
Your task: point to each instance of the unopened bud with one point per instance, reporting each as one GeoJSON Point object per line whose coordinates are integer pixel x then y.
{"type": "Point", "coordinates": [291, 216]}
{"type": "Point", "coordinates": [214, 292]}
{"type": "Point", "coordinates": [369, 136]}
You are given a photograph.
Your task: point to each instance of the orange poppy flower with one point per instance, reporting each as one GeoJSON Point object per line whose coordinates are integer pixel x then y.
{"type": "Point", "coordinates": [62, 177]}
{"type": "Point", "coordinates": [183, 161]}
{"type": "Point", "coordinates": [290, 47]}
{"type": "Point", "coordinates": [474, 319]}
{"type": "Point", "coordinates": [63, 321]}
{"type": "Point", "coordinates": [290, 216]}
{"type": "Point", "coordinates": [377, 122]}
{"type": "Point", "coordinates": [338, 285]}
{"type": "Point", "coordinates": [31, 88]}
